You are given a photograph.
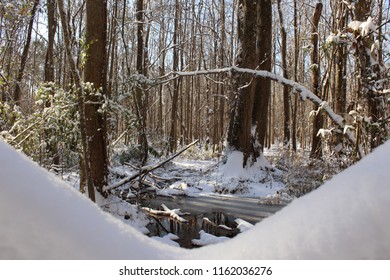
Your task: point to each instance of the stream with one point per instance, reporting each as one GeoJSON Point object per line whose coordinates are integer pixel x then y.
{"type": "Point", "coordinates": [206, 213]}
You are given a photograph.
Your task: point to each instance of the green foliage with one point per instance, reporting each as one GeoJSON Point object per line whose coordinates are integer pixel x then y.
{"type": "Point", "coordinates": [51, 131]}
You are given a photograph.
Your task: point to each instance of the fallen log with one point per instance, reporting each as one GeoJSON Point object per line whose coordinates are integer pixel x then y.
{"type": "Point", "coordinates": [174, 213]}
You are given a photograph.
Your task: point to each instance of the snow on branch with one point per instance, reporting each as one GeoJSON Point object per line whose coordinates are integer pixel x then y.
{"type": "Point", "coordinates": [174, 213]}
{"type": "Point", "coordinates": [304, 92]}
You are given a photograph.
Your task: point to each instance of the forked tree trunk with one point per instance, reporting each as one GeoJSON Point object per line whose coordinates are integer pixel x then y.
{"type": "Point", "coordinates": [249, 117]}
{"type": "Point", "coordinates": [85, 163]}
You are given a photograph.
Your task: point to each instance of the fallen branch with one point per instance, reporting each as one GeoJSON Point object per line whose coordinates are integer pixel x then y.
{"type": "Point", "coordinates": [174, 213]}
{"type": "Point", "coordinates": [146, 169]}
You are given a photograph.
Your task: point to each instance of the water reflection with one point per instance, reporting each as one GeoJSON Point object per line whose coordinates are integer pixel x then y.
{"type": "Point", "coordinates": [211, 214]}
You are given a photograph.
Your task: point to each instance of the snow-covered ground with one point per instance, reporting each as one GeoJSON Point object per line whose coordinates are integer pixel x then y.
{"type": "Point", "coordinates": [42, 217]}
{"type": "Point", "coordinates": [211, 177]}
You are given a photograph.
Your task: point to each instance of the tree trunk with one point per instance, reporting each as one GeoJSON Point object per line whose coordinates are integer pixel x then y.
{"type": "Point", "coordinates": [316, 149]}
{"type": "Point", "coordinates": [49, 66]}
{"type": "Point", "coordinates": [369, 73]}
{"type": "Point", "coordinates": [262, 86]}
{"type": "Point", "coordinates": [296, 57]}
{"type": "Point", "coordinates": [173, 130]}
{"type": "Point", "coordinates": [95, 73]}
{"type": "Point", "coordinates": [340, 87]}
{"type": "Point", "coordinates": [19, 78]}
{"type": "Point", "coordinates": [286, 94]}
{"type": "Point", "coordinates": [240, 136]}
{"type": "Point", "coordinates": [52, 27]}
{"type": "Point", "coordinates": [140, 99]}
{"type": "Point", "coordinates": [85, 163]}
{"type": "Point", "coordinates": [222, 62]}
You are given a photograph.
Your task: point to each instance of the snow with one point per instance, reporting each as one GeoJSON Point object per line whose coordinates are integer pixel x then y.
{"type": "Point", "coordinates": [256, 180]}
{"type": "Point", "coordinates": [168, 239]}
{"type": "Point", "coordinates": [42, 217]}
{"type": "Point", "coordinates": [367, 27]}
{"type": "Point", "coordinates": [363, 27]}
{"type": "Point", "coordinates": [332, 38]}
{"type": "Point", "coordinates": [234, 169]}
{"type": "Point", "coordinates": [208, 239]}
{"type": "Point", "coordinates": [243, 225]}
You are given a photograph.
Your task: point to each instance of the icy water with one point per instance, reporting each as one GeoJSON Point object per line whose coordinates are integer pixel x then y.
{"type": "Point", "coordinates": [206, 213]}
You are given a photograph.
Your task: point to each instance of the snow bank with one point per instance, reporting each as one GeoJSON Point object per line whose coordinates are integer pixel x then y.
{"type": "Point", "coordinates": [256, 180]}
{"type": "Point", "coordinates": [43, 218]}
{"type": "Point", "coordinates": [234, 169]}
{"type": "Point", "coordinates": [346, 218]}
{"type": "Point", "coordinates": [208, 239]}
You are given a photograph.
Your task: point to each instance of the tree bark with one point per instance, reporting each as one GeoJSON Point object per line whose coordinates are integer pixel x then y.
{"type": "Point", "coordinates": [296, 57]}
{"type": "Point", "coordinates": [286, 94]}
{"type": "Point", "coordinates": [140, 99]}
{"type": "Point", "coordinates": [262, 86]}
{"type": "Point", "coordinates": [316, 149]}
{"type": "Point", "coordinates": [52, 27]}
{"type": "Point", "coordinates": [95, 73]}
{"type": "Point", "coordinates": [49, 66]}
{"type": "Point", "coordinates": [175, 96]}
{"type": "Point", "coordinates": [340, 87]}
{"type": "Point", "coordinates": [85, 163]}
{"type": "Point", "coordinates": [19, 78]}
{"type": "Point", "coordinates": [240, 127]}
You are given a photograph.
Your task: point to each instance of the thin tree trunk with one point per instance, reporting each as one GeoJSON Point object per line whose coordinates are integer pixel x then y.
{"type": "Point", "coordinates": [316, 150]}
{"type": "Point", "coordinates": [49, 65]}
{"type": "Point", "coordinates": [52, 27]}
{"type": "Point", "coordinates": [140, 99]}
{"type": "Point", "coordinates": [85, 163]}
{"type": "Point", "coordinates": [286, 94]}
{"type": "Point", "coordinates": [19, 78]}
{"type": "Point", "coordinates": [340, 87]}
{"type": "Point", "coordinates": [296, 57]}
{"type": "Point", "coordinates": [173, 130]}
{"type": "Point", "coordinates": [222, 62]}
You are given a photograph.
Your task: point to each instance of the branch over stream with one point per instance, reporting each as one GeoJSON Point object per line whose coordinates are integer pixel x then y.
{"type": "Point", "coordinates": [149, 168]}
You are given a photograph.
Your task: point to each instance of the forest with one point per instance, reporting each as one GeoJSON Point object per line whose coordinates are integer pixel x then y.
{"type": "Point", "coordinates": [111, 91]}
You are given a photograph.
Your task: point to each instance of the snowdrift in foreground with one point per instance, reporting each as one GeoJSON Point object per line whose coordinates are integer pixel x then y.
{"type": "Point", "coordinates": [43, 218]}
